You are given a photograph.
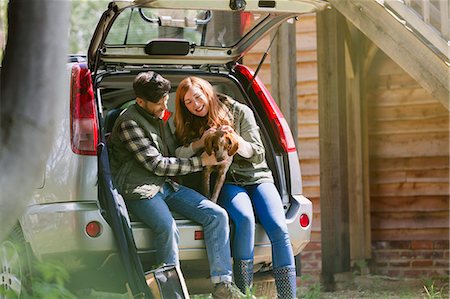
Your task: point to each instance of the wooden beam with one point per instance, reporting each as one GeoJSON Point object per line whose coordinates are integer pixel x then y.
{"type": "Point", "coordinates": [357, 144]}
{"type": "Point", "coordinates": [333, 146]}
{"type": "Point", "coordinates": [400, 44]}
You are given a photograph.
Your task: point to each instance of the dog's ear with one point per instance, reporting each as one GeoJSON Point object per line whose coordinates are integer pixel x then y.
{"type": "Point", "coordinates": [233, 146]}
{"type": "Point", "coordinates": [209, 144]}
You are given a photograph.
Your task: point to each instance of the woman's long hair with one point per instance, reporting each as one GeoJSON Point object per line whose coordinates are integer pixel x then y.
{"type": "Point", "coordinates": [190, 127]}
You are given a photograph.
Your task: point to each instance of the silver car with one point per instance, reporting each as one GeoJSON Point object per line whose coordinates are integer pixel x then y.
{"type": "Point", "coordinates": [71, 218]}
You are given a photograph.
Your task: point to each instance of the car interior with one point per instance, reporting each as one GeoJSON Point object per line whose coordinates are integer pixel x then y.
{"type": "Point", "coordinates": [116, 94]}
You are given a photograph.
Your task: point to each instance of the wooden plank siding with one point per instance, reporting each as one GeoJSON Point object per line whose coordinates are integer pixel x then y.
{"type": "Point", "coordinates": [308, 125]}
{"type": "Point", "coordinates": [408, 140]}
{"type": "Point", "coordinates": [409, 157]}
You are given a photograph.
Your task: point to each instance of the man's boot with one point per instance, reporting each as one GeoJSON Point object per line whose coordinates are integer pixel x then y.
{"type": "Point", "coordinates": [243, 274]}
{"type": "Point", "coordinates": [286, 282]}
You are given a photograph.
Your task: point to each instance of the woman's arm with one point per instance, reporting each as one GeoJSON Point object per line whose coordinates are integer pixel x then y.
{"type": "Point", "coordinates": [249, 132]}
{"type": "Point", "coordinates": [194, 148]}
{"type": "Point", "coordinates": [245, 148]}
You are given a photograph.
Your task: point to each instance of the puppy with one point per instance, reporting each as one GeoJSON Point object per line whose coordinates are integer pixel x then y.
{"type": "Point", "coordinates": [223, 145]}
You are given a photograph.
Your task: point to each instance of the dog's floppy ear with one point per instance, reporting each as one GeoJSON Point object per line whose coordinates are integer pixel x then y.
{"type": "Point", "coordinates": [209, 144]}
{"type": "Point", "coordinates": [233, 146]}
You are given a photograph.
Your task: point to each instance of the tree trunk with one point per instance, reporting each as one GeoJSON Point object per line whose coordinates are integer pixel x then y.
{"type": "Point", "coordinates": [32, 89]}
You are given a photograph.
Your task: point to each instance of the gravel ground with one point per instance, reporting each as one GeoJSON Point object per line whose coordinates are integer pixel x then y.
{"type": "Point", "coordinates": [360, 287]}
{"type": "Point", "coordinates": [381, 287]}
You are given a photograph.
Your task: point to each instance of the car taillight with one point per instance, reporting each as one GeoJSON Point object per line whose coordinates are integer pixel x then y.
{"type": "Point", "coordinates": [93, 229]}
{"type": "Point", "coordinates": [198, 235]}
{"type": "Point", "coordinates": [277, 120]}
{"type": "Point", "coordinates": [304, 220]}
{"type": "Point", "coordinates": [83, 117]}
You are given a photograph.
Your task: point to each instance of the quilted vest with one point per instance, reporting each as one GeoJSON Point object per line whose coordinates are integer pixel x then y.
{"type": "Point", "coordinates": [130, 177]}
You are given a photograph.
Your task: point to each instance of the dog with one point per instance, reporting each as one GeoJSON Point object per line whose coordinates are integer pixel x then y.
{"type": "Point", "coordinates": [223, 145]}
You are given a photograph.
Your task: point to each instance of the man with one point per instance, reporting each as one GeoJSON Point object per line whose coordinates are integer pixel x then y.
{"type": "Point", "coordinates": [140, 147]}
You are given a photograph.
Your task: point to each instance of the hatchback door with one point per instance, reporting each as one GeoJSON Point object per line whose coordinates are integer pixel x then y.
{"type": "Point", "coordinates": [187, 32]}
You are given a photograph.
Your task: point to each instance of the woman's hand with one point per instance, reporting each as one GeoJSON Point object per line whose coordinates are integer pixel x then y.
{"type": "Point", "coordinates": [228, 129]}
{"type": "Point", "coordinates": [199, 144]}
{"type": "Point", "coordinates": [206, 133]}
{"type": "Point", "coordinates": [245, 149]}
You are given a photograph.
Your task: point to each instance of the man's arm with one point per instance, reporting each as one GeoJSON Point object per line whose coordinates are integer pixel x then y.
{"type": "Point", "coordinates": [149, 156]}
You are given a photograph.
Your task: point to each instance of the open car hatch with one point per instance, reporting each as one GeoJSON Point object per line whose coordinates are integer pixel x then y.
{"type": "Point", "coordinates": [187, 32]}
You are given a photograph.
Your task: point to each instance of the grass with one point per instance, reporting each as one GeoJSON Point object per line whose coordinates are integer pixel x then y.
{"type": "Point", "coordinates": [378, 287]}
{"type": "Point", "coordinates": [371, 287]}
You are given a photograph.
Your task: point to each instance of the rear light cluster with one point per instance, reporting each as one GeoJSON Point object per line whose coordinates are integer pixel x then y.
{"type": "Point", "coordinates": [277, 120]}
{"type": "Point", "coordinates": [93, 229]}
{"type": "Point", "coordinates": [83, 117]}
{"type": "Point", "coordinates": [304, 220]}
{"type": "Point", "coordinates": [198, 235]}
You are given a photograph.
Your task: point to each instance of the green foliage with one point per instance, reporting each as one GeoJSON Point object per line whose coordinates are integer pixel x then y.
{"type": "Point", "coordinates": [311, 291]}
{"type": "Point", "coordinates": [360, 267]}
{"type": "Point", "coordinates": [431, 289]}
{"type": "Point", "coordinates": [49, 282]}
{"type": "Point", "coordinates": [84, 17]}
{"type": "Point", "coordinates": [3, 26]}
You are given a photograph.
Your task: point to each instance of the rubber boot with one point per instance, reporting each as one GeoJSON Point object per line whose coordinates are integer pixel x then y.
{"type": "Point", "coordinates": [286, 282]}
{"type": "Point", "coordinates": [243, 274]}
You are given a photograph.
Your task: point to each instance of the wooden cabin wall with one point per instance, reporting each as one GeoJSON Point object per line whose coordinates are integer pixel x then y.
{"type": "Point", "coordinates": [409, 174]}
{"type": "Point", "coordinates": [409, 162]}
{"type": "Point", "coordinates": [308, 126]}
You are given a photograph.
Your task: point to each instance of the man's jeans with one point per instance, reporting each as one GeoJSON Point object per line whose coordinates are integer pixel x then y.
{"type": "Point", "coordinates": [156, 214]}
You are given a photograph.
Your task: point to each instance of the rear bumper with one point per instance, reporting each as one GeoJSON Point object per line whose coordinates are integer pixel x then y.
{"type": "Point", "coordinates": [191, 249]}
{"type": "Point", "coordinates": [300, 236]}
{"type": "Point", "coordinates": [59, 229]}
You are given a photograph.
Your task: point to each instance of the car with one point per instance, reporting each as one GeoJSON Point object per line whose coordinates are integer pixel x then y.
{"type": "Point", "coordinates": [71, 219]}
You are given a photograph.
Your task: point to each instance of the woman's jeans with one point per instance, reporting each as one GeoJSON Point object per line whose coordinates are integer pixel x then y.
{"type": "Point", "coordinates": [156, 214]}
{"type": "Point", "coordinates": [242, 203]}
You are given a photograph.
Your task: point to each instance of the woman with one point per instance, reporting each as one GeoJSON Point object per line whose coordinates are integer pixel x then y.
{"type": "Point", "coordinates": [249, 185]}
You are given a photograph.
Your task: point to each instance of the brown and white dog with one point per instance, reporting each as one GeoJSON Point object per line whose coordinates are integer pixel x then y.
{"type": "Point", "coordinates": [223, 145]}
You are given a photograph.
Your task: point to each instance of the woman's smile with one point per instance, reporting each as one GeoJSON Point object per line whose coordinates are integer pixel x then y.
{"type": "Point", "coordinates": [196, 102]}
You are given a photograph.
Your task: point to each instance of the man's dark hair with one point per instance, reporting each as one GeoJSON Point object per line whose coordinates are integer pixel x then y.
{"type": "Point", "coordinates": [151, 86]}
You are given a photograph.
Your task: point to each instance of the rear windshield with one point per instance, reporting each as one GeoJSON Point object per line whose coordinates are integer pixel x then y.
{"type": "Point", "coordinates": [200, 27]}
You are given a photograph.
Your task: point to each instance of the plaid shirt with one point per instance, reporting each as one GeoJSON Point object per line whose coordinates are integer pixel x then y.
{"type": "Point", "coordinates": [151, 158]}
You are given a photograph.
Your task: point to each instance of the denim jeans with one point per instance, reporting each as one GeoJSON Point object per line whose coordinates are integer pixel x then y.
{"type": "Point", "coordinates": [156, 214]}
{"type": "Point", "coordinates": [242, 203]}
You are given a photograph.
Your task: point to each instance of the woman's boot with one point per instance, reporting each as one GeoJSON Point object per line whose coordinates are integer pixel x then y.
{"type": "Point", "coordinates": [286, 282]}
{"type": "Point", "coordinates": [243, 274]}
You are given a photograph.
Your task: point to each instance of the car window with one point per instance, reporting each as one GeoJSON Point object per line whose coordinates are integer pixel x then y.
{"type": "Point", "coordinates": [201, 27]}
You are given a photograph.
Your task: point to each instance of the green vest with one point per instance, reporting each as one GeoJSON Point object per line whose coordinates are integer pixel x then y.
{"type": "Point", "coordinates": [131, 178]}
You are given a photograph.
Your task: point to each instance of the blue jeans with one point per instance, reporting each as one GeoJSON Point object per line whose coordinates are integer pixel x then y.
{"type": "Point", "coordinates": [156, 214]}
{"type": "Point", "coordinates": [241, 203]}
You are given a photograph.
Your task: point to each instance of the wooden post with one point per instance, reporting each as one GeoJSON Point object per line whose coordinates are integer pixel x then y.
{"type": "Point", "coordinates": [357, 146]}
{"type": "Point", "coordinates": [333, 146]}
{"type": "Point", "coordinates": [283, 68]}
